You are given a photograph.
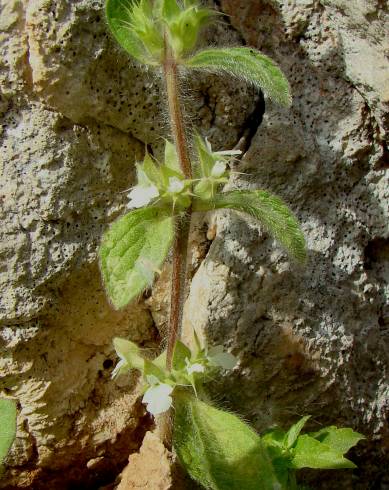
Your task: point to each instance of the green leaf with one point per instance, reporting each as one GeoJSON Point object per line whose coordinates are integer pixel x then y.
{"type": "Point", "coordinates": [206, 161]}
{"type": "Point", "coordinates": [218, 450]}
{"type": "Point", "coordinates": [160, 361]}
{"type": "Point", "coordinates": [133, 248]}
{"type": "Point", "coordinates": [152, 369]}
{"type": "Point", "coordinates": [338, 439]}
{"type": "Point", "coordinates": [293, 433]}
{"type": "Point", "coordinates": [151, 171]}
{"type": "Point", "coordinates": [197, 343]}
{"type": "Point", "coordinates": [7, 427]}
{"type": "Point", "coordinates": [170, 9]}
{"type": "Point", "coordinates": [129, 352]}
{"type": "Point", "coordinates": [171, 157]}
{"type": "Point", "coordinates": [274, 443]}
{"type": "Point", "coordinates": [181, 352]}
{"type": "Point", "coordinates": [249, 65]}
{"type": "Point", "coordinates": [119, 19]}
{"type": "Point", "coordinates": [310, 453]}
{"type": "Point", "coordinates": [270, 210]}
{"type": "Point", "coordinates": [274, 438]}
{"type": "Point", "coordinates": [185, 27]}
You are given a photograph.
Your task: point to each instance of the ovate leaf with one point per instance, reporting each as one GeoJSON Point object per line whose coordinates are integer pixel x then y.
{"type": "Point", "coordinates": [218, 450]}
{"type": "Point", "coordinates": [152, 369]}
{"type": "Point", "coordinates": [293, 433]}
{"type": "Point", "coordinates": [218, 357]}
{"type": "Point", "coordinates": [269, 210]}
{"type": "Point", "coordinates": [120, 21]}
{"type": "Point", "coordinates": [132, 250]}
{"type": "Point", "coordinates": [247, 64]}
{"type": "Point", "coordinates": [310, 453]}
{"type": "Point", "coordinates": [7, 427]}
{"type": "Point", "coordinates": [274, 442]}
{"type": "Point", "coordinates": [181, 352]}
{"type": "Point", "coordinates": [338, 439]}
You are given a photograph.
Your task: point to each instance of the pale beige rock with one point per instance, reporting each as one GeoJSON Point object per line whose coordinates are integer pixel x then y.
{"type": "Point", "coordinates": [154, 468]}
{"type": "Point", "coordinates": [150, 468]}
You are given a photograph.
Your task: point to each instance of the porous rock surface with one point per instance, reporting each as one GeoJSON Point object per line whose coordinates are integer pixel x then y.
{"type": "Point", "coordinates": [76, 113]}
{"type": "Point", "coordinates": [312, 339]}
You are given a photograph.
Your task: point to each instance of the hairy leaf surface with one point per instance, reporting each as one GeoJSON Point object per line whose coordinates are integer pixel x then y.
{"type": "Point", "coordinates": [133, 248]}
{"type": "Point", "coordinates": [269, 210]}
{"type": "Point", "coordinates": [310, 453]}
{"type": "Point", "coordinates": [7, 427]}
{"type": "Point", "coordinates": [218, 449]}
{"type": "Point", "coordinates": [249, 65]}
{"type": "Point", "coordinates": [120, 21]}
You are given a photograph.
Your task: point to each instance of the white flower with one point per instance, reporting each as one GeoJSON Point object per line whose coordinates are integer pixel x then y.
{"type": "Point", "coordinates": [227, 153]}
{"type": "Point", "coordinates": [141, 196]}
{"type": "Point", "coordinates": [208, 144]}
{"type": "Point", "coordinates": [158, 398]}
{"type": "Point", "coordinates": [221, 359]}
{"type": "Point", "coordinates": [120, 367]}
{"type": "Point", "coordinates": [175, 185]}
{"type": "Point", "coordinates": [194, 368]}
{"type": "Point", "coordinates": [218, 169]}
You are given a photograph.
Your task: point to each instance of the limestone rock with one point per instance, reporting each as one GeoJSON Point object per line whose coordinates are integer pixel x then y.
{"type": "Point", "coordinates": [154, 468]}
{"type": "Point", "coordinates": [311, 339]}
{"type": "Point", "coordinates": [150, 468]}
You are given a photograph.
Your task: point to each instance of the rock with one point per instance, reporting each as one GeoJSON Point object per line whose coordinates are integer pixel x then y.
{"type": "Point", "coordinates": [150, 468]}
{"type": "Point", "coordinates": [154, 468]}
{"type": "Point", "coordinates": [312, 339]}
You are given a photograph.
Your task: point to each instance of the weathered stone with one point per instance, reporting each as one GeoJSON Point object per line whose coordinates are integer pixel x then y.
{"type": "Point", "coordinates": [154, 468]}
{"type": "Point", "coordinates": [310, 339]}
{"type": "Point", "coordinates": [150, 468]}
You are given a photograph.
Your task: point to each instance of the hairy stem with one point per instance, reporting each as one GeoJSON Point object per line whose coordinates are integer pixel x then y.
{"type": "Point", "coordinates": [183, 225]}
{"type": "Point", "coordinates": [176, 116]}
{"type": "Point", "coordinates": [177, 296]}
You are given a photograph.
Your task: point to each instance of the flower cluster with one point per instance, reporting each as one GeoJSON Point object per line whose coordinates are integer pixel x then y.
{"type": "Point", "coordinates": [162, 184]}
{"type": "Point", "coordinates": [189, 369]}
{"type": "Point", "coordinates": [211, 169]}
{"type": "Point", "coordinates": [144, 24]}
{"type": "Point", "coordinates": [165, 185]}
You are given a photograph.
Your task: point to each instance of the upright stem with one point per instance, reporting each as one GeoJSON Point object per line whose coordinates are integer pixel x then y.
{"type": "Point", "coordinates": [175, 112]}
{"type": "Point", "coordinates": [180, 246]}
